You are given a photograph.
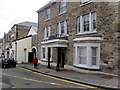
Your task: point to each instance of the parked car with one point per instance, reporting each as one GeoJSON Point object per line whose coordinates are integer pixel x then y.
{"type": "Point", "coordinates": [8, 62]}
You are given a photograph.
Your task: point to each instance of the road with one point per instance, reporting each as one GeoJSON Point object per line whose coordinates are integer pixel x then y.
{"type": "Point", "coordinates": [22, 78]}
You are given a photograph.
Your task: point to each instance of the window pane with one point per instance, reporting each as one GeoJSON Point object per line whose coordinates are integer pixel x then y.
{"type": "Point", "coordinates": [47, 32]}
{"type": "Point", "coordinates": [82, 55]}
{"type": "Point", "coordinates": [86, 23]}
{"type": "Point", "coordinates": [62, 27]}
{"type": "Point", "coordinates": [94, 55]}
{"type": "Point", "coordinates": [43, 53]}
{"type": "Point", "coordinates": [48, 14]}
{"type": "Point", "coordinates": [62, 6]}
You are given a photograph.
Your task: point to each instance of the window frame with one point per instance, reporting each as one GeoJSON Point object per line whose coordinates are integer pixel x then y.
{"type": "Point", "coordinates": [46, 53]}
{"type": "Point", "coordinates": [43, 58]}
{"type": "Point", "coordinates": [82, 56]}
{"type": "Point", "coordinates": [62, 7]}
{"type": "Point", "coordinates": [84, 2]}
{"type": "Point", "coordinates": [90, 24]}
{"type": "Point", "coordinates": [47, 32]}
{"type": "Point", "coordinates": [94, 56]}
{"type": "Point", "coordinates": [88, 54]}
{"type": "Point", "coordinates": [47, 14]}
{"type": "Point", "coordinates": [65, 28]}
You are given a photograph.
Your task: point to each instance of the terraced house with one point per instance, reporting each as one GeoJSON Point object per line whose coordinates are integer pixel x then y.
{"type": "Point", "coordinates": [82, 35]}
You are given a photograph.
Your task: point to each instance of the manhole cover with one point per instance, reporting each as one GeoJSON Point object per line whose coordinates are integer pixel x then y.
{"type": "Point", "coordinates": [107, 77]}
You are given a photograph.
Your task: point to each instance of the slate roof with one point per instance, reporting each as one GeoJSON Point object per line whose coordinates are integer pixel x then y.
{"type": "Point", "coordinates": [28, 24]}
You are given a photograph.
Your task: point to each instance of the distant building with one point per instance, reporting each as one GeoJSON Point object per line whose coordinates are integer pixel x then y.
{"type": "Point", "coordinates": [20, 33]}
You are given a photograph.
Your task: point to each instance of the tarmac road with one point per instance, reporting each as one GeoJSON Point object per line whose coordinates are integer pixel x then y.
{"type": "Point", "coordinates": [20, 78]}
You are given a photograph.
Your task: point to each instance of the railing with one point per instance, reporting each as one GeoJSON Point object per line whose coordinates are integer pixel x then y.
{"type": "Point", "coordinates": [57, 36]}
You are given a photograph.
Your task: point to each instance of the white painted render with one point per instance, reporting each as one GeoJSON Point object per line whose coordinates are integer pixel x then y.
{"type": "Point", "coordinates": [22, 55]}
{"type": "Point", "coordinates": [33, 31]}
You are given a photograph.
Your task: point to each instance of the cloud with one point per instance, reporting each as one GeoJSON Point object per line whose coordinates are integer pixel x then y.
{"type": "Point", "coordinates": [16, 11]}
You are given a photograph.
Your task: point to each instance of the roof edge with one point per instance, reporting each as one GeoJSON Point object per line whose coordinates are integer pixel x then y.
{"type": "Point", "coordinates": [45, 6]}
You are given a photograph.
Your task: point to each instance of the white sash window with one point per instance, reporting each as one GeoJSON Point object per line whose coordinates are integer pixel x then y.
{"type": "Point", "coordinates": [47, 14]}
{"type": "Point", "coordinates": [87, 55]}
{"type": "Point", "coordinates": [47, 32]}
{"type": "Point", "coordinates": [86, 24]}
{"type": "Point", "coordinates": [63, 28]}
{"type": "Point", "coordinates": [62, 6]}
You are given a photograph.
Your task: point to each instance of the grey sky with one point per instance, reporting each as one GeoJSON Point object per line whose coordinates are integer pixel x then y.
{"type": "Point", "coordinates": [17, 11]}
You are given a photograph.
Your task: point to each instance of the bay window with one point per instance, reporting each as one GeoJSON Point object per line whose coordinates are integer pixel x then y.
{"type": "Point", "coordinates": [87, 55]}
{"type": "Point", "coordinates": [82, 55]}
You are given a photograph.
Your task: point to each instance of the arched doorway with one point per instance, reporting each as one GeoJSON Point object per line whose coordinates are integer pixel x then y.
{"type": "Point", "coordinates": [32, 54]}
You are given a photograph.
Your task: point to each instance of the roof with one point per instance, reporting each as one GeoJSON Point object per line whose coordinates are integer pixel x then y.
{"type": "Point", "coordinates": [28, 24]}
{"type": "Point", "coordinates": [47, 5]}
{"type": "Point", "coordinates": [22, 38]}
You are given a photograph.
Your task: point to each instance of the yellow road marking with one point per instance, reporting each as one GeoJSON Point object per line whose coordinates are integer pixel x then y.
{"type": "Point", "coordinates": [39, 81]}
{"type": "Point", "coordinates": [60, 79]}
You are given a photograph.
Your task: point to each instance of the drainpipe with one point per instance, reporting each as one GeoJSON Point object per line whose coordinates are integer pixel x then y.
{"type": "Point", "coordinates": [15, 50]}
{"type": "Point", "coordinates": [49, 58]}
{"type": "Point", "coordinates": [16, 43]}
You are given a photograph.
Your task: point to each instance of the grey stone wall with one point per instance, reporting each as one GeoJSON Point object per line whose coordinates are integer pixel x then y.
{"type": "Point", "coordinates": [107, 27]}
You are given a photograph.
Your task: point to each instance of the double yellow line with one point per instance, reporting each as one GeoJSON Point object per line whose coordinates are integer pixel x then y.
{"type": "Point", "coordinates": [87, 86]}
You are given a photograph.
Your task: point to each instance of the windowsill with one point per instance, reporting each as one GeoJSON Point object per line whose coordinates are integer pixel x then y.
{"type": "Point", "coordinates": [86, 33]}
{"type": "Point", "coordinates": [64, 35]}
{"type": "Point", "coordinates": [45, 38]}
{"type": "Point", "coordinates": [44, 60]}
{"type": "Point", "coordinates": [83, 4]}
{"type": "Point", "coordinates": [47, 19]}
{"type": "Point", "coordinates": [85, 66]}
{"type": "Point", "coordinates": [62, 13]}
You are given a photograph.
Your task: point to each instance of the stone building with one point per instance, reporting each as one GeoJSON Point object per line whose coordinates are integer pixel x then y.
{"type": "Point", "coordinates": [25, 32]}
{"type": "Point", "coordinates": [82, 35]}
{"type": "Point", "coordinates": [20, 33]}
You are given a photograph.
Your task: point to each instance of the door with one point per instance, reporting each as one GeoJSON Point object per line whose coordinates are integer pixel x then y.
{"type": "Point", "coordinates": [30, 56]}
{"type": "Point", "coordinates": [61, 56]}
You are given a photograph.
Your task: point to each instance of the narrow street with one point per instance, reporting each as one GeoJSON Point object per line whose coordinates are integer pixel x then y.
{"type": "Point", "coordinates": [20, 78]}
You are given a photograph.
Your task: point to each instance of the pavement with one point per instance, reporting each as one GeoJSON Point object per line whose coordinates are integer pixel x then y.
{"type": "Point", "coordinates": [95, 79]}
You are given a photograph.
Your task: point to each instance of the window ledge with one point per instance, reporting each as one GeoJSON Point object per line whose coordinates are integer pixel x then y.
{"type": "Point", "coordinates": [62, 13]}
{"type": "Point", "coordinates": [45, 38]}
{"type": "Point", "coordinates": [83, 4]}
{"type": "Point", "coordinates": [86, 33]}
{"type": "Point", "coordinates": [47, 19]}
{"type": "Point", "coordinates": [44, 60]}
